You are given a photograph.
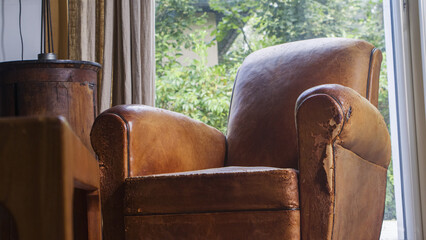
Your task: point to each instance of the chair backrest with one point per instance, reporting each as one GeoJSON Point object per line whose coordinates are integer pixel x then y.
{"type": "Point", "coordinates": [261, 129]}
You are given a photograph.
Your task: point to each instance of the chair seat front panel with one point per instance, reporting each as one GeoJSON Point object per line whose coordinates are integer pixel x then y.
{"type": "Point", "coordinates": [213, 190]}
{"type": "Point", "coordinates": [282, 224]}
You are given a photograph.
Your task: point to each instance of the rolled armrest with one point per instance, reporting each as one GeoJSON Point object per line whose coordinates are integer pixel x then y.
{"type": "Point", "coordinates": [344, 152]}
{"type": "Point", "coordinates": [362, 129]}
{"type": "Point", "coordinates": [136, 140]}
{"type": "Point", "coordinates": [159, 141]}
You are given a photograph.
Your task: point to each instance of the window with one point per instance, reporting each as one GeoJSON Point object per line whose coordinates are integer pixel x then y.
{"type": "Point", "coordinates": [405, 44]}
{"type": "Point", "coordinates": [201, 43]}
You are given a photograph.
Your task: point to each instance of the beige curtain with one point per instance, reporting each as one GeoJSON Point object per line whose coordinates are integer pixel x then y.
{"type": "Point", "coordinates": [82, 30]}
{"type": "Point", "coordinates": [120, 36]}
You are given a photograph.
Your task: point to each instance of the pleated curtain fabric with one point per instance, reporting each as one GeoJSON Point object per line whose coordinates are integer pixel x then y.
{"type": "Point", "coordinates": [82, 30]}
{"type": "Point", "coordinates": [124, 45]}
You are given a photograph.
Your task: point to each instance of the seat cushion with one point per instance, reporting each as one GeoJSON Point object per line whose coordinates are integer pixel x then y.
{"type": "Point", "coordinates": [213, 190]}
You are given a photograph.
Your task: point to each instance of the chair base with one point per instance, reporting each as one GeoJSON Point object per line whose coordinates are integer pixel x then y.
{"type": "Point", "coordinates": [274, 224]}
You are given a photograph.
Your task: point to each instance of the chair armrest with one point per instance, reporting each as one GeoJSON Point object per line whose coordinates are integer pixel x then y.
{"type": "Point", "coordinates": [344, 152]}
{"type": "Point", "coordinates": [137, 140]}
{"type": "Point", "coordinates": [359, 125]}
{"type": "Point", "coordinates": [158, 141]}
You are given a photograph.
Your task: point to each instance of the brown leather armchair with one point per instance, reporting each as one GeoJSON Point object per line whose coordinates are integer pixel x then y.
{"type": "Point", "coordinates": [305, 155]}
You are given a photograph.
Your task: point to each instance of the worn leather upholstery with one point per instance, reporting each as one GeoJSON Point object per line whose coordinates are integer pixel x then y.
{"type": "Point", "coordinates": [307, 105]}
{"type": "Point", "coordinates": [360, 127]}
{"type": "Point", "coordinates": [240, 188]}
{"type": "Point", "coordinates": [261, 129]}
{"type": "Point", "coordinates": [161, 141]}
{"type": "Point", "coordinates": [268, 224]}
{"type": "Point", "coordinates": [137, 140]}
{"type": "Point", "coordinates": [343, 158]}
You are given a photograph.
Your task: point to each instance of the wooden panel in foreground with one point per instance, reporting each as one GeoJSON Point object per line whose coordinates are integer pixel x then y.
{"type": "Point", "coordinates": [41, 162]}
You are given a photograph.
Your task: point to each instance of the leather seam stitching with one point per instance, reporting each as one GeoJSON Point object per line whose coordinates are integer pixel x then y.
{"type": "Point", "coordinates": [218, 211]}
{"type": "Point", "coordinates": [377, 165]}
{"type": "Point", "coordinates": [230, 103]}
{"type": "Point", "coordinates": [334, 188]}
{"type": "Point", "coordinates": [370, 66]}
{"type": "Point", "coordinates": [128, 141]}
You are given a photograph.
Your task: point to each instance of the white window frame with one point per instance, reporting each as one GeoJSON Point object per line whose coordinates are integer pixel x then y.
{"type": "Point", "coordinates": [405, 36]}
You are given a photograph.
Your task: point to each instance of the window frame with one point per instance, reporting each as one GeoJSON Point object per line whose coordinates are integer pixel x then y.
{"type": "Point", "coordinates": [407, 109]}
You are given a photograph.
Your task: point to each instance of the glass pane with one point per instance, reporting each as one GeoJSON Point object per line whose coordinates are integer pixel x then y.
{"type": "Point", "coordinates": [201, 43]}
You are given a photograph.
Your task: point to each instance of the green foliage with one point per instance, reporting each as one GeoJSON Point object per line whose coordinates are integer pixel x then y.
{"type": "Point", "coordinates": [203, 92]}
{"type": "Point", "coordinates": [197, 90]}
{"type": "Point", "coordinates": [172, 19]}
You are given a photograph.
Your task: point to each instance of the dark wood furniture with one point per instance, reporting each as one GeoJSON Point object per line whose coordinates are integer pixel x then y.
{"type": "Point", "coordinates": [51, 88]}
{"type": "Point", "coordinates": [49, 182]}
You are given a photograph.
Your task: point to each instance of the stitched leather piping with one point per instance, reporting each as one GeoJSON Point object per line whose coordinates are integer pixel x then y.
{"type": "Point", "coordinates": [334, 187]}
{"type": "Point", "coordinates": [225, 211]}
{"type": "Point", "coordinates": [232, 96]}
{"type": "Point", "coordinates": [225, 160]}
{"type": "Point", "coordinates": [128, 141]}
{"type": "Point", "coordinates": [368, 76]}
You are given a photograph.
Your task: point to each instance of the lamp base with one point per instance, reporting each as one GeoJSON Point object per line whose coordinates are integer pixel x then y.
{"type": "Point", "coordinates": [47, 56]}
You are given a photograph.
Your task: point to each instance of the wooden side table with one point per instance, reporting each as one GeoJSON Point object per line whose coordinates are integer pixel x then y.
{"type": "Point", "coordinates": [51, 88]}
{"type": "Point", "coordinates": [49, 182]}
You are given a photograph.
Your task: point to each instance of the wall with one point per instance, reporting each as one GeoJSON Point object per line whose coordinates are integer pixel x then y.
{"type": "Point", "coordinates": [10, 43]}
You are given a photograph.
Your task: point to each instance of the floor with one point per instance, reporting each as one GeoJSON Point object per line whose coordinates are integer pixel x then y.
{"type": "Point", "coordinates": [389, 230]}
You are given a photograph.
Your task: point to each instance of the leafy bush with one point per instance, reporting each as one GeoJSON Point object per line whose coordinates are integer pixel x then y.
{"type": "Point", "coordinates": [198, 91]}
